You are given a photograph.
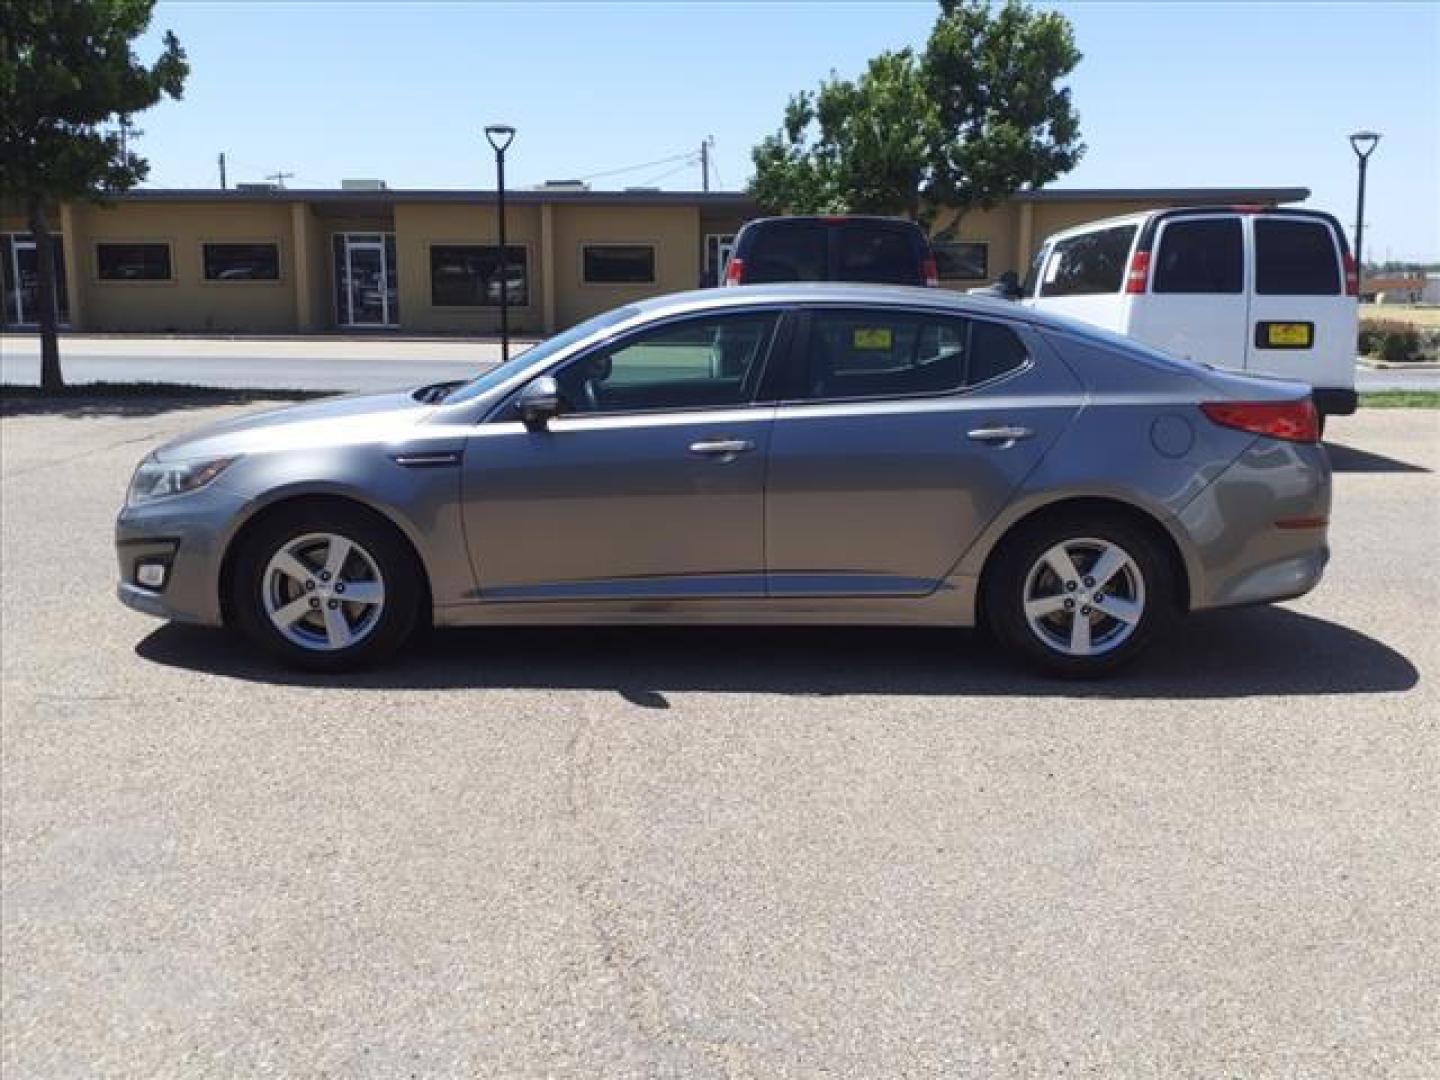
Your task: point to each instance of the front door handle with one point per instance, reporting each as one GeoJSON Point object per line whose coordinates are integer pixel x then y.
{"type": "Point", "coordinates": [1004, 435]}
{"type": "Point", "coordinates": [724, 449]}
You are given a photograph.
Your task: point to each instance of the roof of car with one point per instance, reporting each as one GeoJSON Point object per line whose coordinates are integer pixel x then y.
{"type": "Point", "coordinates": [1141, 216]}
{"type": "Point", "coordinates": [836, 292]}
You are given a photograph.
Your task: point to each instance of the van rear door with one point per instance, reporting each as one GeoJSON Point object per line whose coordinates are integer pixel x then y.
{"type": "Point", "coordinates": [1196, 306]}
{"type": "Point", "coordinates": [1302, 323]}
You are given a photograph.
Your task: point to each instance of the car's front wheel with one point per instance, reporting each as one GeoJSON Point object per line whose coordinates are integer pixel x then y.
{"type": "Point", "coordinates": [1080, 595]}
{"type": "Point", "coordinates": [326, 588]}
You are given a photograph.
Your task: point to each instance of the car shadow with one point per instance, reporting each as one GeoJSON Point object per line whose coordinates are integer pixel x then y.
{"type": "Point", "coordinates": [1348, 459]}
{"type": "Point", "coordinates": [81, 403]}
{"type": "Point", "coordinates": [1234, 654]}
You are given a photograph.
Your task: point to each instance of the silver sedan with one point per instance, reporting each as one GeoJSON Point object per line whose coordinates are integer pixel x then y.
{"type": "Point", "coordinates": [770, 454]}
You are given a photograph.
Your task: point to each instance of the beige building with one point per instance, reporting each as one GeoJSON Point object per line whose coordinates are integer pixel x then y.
{"type": "Point", "coordinates": [280, 262]}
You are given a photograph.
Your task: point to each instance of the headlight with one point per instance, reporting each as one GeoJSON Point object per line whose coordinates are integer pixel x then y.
{"type": "Point", "coordinates": [161, 479]}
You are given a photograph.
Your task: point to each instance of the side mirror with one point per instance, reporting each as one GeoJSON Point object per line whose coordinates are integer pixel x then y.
{"type": "Point", "coordinates": [539, 403]}
{"type": "Point", "coordinates": [1010, 285]}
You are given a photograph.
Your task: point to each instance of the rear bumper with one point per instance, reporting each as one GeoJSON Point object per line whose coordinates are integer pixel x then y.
{"type": "Point", "coordinates": [1334, 401]}
{"type": "Point", "coordinates": [1251, 529]}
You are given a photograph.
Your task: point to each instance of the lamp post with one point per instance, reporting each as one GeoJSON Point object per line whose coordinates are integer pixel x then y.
{"type": "Point", "coordinates": [500, 136]}
{"type": "Point", "coordinates": [1363, 143]}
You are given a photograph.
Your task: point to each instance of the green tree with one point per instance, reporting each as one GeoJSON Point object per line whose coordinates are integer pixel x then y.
{"type": "Point", "coordinates": [975, 116]}
{"type": "Point", "coordinates": [68, 79]}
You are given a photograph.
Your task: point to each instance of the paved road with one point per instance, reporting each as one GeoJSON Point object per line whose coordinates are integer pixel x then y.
{"type": "Point", "coordinates": [719, 853]}
{"type": "Point", "coordinates": [332, 364]}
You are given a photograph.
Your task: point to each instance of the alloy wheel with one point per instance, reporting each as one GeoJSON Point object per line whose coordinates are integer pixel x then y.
{"type": "Point", "coordinates": [1084, 597]}
{"type": "Point", "coordinates": [323, 592]}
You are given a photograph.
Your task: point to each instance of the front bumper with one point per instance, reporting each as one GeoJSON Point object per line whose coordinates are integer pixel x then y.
{"type": "Point", "coordinates": [188, 534]}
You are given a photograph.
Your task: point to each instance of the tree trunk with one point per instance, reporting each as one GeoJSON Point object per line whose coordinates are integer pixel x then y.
{"type": "Point", "coordinates": [51, 380]}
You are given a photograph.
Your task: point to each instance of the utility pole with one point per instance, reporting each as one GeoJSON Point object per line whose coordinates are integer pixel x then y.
{"type": "Point", "coordinates": [705, 162]}
{"type": "Point", "coordinates": [124, 138]}
{"type": "Point", "coordinates": [222, 170]}
{"type": "Point", "coordinates": [279, 178]}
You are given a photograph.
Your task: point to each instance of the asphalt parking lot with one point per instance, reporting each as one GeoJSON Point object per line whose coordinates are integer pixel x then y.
{"type": "Point", "coordinates": [727, 853]}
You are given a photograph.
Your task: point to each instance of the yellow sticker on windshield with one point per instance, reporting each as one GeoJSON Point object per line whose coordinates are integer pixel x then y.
{"type": "Point", "coordinates": [877, 337]}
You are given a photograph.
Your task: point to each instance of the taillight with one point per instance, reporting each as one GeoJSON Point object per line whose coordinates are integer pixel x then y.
{"type": "Point", "coordinates": [1139, 272]}
{"type": "Point", "coordinates": [1293, 421]}
{"type": "Point", "coordinates": [929, 273]}
{"type": "Point", "coordinates": [1352, 276]}
{"type": "Point", "coordinates": [735, 272]}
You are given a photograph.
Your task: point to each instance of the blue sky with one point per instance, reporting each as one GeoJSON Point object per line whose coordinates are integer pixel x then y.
{"type": "Point", "coordinates": [1169, 94]}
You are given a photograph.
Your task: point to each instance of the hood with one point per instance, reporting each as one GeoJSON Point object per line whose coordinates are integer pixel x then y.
{"type": "Point", "coordinates": [328, 422]}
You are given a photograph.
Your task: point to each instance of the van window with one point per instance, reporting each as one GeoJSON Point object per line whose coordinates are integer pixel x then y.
{"type": "Point", "coordinates": [1200, 255]}
{"type": "Point", "coordinates": [1090, 263]}
{"type": "Point", "coordinates": [787, 251]}
{"type": "Point", "coordinates": [1294, 257]}
{"type": "Point", "coordinates": [881, 255]}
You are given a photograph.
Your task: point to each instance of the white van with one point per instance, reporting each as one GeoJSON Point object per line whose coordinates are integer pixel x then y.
{"type": "Point", "coordinates": [1258, 289]}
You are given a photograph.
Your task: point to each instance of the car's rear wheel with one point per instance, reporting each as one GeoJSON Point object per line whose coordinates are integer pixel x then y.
{"type": "Point", "coordinates": [1080, 595]}
{"type": "Point", "coordinates": [326, 588]}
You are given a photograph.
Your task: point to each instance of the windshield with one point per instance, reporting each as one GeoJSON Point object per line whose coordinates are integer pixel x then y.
{"type": "Point", "coordinates": [549, 347]}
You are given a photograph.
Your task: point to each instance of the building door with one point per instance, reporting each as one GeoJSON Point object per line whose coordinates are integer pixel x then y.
{"type": "Point", "coordinates": [718, 247]}
{"type": "Point", "coordinates": [365, 280]}
{"type": "Point", "coordinates": [20, 269]}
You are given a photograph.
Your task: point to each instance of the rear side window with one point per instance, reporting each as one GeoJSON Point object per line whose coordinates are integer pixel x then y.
{"type": "Point", "coordinates": [786, 251]}
{"type": "Point", "coordinates": [1200, 255]}
{"type": "Point", "coordinates": [1089, 263]}
{"type": "Point", "coordinates": [885, 256]}
{"type": "Point", "coordinates": [1294, 257]}
{"type": "Point", "coordinates": [882, 354]}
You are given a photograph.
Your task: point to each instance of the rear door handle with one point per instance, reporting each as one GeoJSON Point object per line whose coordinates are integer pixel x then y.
{"type": "Point", "coordinates": [1005, 434]}
{"type": "Point", "coordinates": [722, 448]}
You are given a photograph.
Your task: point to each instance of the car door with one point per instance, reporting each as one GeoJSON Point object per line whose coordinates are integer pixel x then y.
{"type": "Point", "coordinates": [899, 437]}
{"type": "Point", "coordinates": [649, 485]}
{"type": "Point", "coordinates": [1302, 325]}
{"type": "Point", "coordinates": [1196, 306]}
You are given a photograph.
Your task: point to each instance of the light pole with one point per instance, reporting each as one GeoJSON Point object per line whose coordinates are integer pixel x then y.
{"type": "Point", "coordinates": [500, 136]}
{"type": "Point", "coordinates": [1363, 143]}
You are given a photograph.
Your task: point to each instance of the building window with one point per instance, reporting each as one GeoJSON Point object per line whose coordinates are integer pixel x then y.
{"type": "Point", "coordinates": [241, 262]}
{"type": "Point", "coordinates": [618, 264]}
{"type": "Point", "coordinates": [468, 275]}
{"type": "Point", "coordinates": [962, 260]}
{"type": "Point", "coordinates": [132, 262]}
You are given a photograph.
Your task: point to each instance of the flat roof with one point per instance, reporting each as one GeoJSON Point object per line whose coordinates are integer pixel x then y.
{"type": "Point", "coordinates": [718, 200]}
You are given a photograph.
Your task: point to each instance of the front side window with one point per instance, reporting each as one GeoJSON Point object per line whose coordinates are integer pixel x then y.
{"type": "Point", "coordinates": [705, 363]}
{"type": "Point", "coordinates": [1201, 255]}
{"type": "Point", "coordinates": [962, 260]}
{"type": "Point", "coordinates": [618, 264]}
{"type": "Point", "coordinates": [883, 354]}
{"type": "Point", "coordinates": [1087, 264]}
{"type": "Point", "coordinates": [132, 262]}
{"type": "Point", "coordinates": [241, 262]}
{"type": "Point", "coordinates": [468, 275]}
{"type": "Point", "coordinates": [1294, 257]}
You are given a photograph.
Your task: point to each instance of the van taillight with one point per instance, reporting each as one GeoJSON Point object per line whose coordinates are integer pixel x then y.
{"type": "Point", "coordinates": [1352, 276]}
{"type": "Point", "coordinates": [929, 273]}
{"type": "Point", "coordinates": [1293, 421]}
{"type": "Point", "coordinates": [1138, 273]}
{"type": "Point", "coordinates": [735, 272]}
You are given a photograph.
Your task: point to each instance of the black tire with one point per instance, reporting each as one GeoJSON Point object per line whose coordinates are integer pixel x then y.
{"type": "Point", "coordinates": [1021, 553]}
{"type": "Point", "coordinates": [401, 578]}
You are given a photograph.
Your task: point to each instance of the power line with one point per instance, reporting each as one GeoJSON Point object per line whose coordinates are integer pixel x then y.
{"type": "Point", "coordinates": [636, 168]}
{"type": "Point", "coordinates": [689, 162]}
